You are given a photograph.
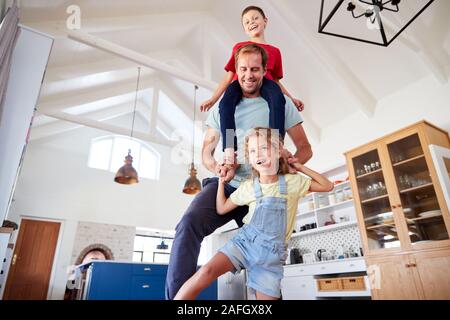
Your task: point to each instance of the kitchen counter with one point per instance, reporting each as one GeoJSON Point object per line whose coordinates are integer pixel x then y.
{"type": "Point", "coordinates": [324, 262]}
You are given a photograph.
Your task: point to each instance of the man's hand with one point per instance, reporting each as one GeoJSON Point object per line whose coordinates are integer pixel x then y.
{"type": "Point", "coordinates": [225, 172]}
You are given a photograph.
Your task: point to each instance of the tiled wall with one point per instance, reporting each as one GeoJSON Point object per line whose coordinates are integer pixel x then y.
{"type": "Point", "coordinates": [330, 240]}
{"type": "Point", "coordinates": [119, 239]}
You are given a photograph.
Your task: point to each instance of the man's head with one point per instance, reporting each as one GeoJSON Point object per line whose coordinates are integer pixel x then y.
{"type": "Point", "coordinates": [251, 62]}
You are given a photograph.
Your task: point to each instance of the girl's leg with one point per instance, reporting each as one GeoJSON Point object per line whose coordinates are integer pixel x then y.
{"type": "Point", "coordinates": [271, 92]}
{"type": "Point", "coordinates": [218, 265]}
{"type": "Point", "coordinates": [227, 108]}
{"type": "Point", "coordinates": [263, 296]}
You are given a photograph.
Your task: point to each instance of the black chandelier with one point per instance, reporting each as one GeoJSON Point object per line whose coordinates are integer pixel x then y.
{"type": "Point", "coordinates": [372, 14]}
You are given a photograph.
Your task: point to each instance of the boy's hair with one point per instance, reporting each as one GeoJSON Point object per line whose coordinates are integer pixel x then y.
{"type": "Point", "coordinates": [274, 139]}
{"type": "Point", "coordinates": [251, 48]}
{"type": "Point", "coordinates": [249, 8]}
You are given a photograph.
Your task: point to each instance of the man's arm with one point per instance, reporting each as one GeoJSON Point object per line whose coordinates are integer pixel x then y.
{"type": "Point", "coordinates": [303, 148]}
{"type": "Point", "coordinates": [209, 145]}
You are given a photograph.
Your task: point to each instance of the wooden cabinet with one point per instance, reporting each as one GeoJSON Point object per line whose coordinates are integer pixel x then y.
{"type": "Point", "coordinates": [402, 213]}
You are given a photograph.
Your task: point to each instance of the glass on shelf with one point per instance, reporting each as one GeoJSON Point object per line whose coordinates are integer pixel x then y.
{"type": "Point", "coordinates": [340, 196]}
{"type": "Point", "coordinates": [348, 193]}
{"type": "Point", "coordinates": [404, 149]}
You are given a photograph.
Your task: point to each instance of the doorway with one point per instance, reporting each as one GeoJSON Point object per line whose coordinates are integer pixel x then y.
{"type": "Point", "coordinates": [32, 261]}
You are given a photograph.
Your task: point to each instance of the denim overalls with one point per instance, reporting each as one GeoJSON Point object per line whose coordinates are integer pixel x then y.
{"type": "Point", "coordinates": [260, 245]}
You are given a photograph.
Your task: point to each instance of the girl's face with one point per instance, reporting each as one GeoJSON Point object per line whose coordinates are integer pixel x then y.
{"type": "Point", "coordinates": [262, 155]}
{"type": "Point", "coordinates": [254, 23]}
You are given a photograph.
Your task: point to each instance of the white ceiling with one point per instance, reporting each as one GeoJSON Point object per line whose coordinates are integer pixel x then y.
{"type": "Point", "coordinates": [334, 77]}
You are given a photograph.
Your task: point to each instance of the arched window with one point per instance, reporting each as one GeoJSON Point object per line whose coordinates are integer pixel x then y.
{"type": "Point", "coordinates": [108, 153]}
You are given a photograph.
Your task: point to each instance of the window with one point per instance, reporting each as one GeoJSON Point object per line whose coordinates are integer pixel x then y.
{"type": "Point", "coordinates": [146, 249]}
{"type": "Point", "coordinates": [108, 153]}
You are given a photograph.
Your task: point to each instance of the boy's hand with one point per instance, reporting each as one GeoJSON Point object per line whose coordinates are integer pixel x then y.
{"type": "Point", "coordinates": [208, 104]}
{"type": "Point", "coordinates": [299, 104]}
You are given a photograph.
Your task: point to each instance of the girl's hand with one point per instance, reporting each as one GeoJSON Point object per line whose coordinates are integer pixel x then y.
{"type": "Point", "coordinates": [293, 162]}
{"type": "Point", "coordinates": [208, 104]}
{"type": "Point", "coordinates": [299, 104]}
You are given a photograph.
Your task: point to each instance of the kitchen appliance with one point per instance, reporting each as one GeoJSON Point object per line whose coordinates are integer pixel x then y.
{"type": "Point", "coordinates": [319, 254]}
{"type": "Point", "coordinates": [295, 256]}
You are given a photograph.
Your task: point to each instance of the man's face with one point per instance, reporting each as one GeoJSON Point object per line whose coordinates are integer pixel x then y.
{"type": "Point", "coordinates": [250, 73]}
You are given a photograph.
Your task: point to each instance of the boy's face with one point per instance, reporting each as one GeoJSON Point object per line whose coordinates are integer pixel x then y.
{"type": "Point", "coordinates": [250, 73]}
{"type": "Point", "coordinates": [263, 155]}
{"type": "Point", "coordinates": [254, 23]}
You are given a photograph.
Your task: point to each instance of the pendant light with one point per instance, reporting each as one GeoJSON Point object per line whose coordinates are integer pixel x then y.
{"type": "Point", "coordinates": [192, 184]}
{"type": "Point", "coordinates": [127, 174]}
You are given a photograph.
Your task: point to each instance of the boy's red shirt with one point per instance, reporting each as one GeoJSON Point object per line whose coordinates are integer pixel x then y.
{"type": "Point", "coordinates": [274, 62]}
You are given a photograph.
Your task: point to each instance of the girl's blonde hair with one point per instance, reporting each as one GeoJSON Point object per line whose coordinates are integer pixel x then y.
{"type": "Point", "coordinates": [274, 139]}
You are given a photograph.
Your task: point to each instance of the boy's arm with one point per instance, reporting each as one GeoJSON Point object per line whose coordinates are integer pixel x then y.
{"type": "Point", "coordinates": [298, 103]}
{"type": "Point", "coordinates": [223, 205]}
{"type": "Point", "coordinates": [205, 106]}
{"type": "Point", "coordinates": [318, 183]}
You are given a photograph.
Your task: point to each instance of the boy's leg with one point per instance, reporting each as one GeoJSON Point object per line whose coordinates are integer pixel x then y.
{"type": "Point", "coordinates": [227, 108]}
{"type": "Point", "coordinates": [263, 296]}
{"type": "Point", "coordinates": [271, 92]}
{"type": "Point", "coordinates": [199, 220]}
{"type": "Point", "coordinates": [218, 265]}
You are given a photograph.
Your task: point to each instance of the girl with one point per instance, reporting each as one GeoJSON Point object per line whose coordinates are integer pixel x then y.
{"type": "Point", "coordinates": [254, 22]}
{"type": "Point", "coordinates": [272, 196]}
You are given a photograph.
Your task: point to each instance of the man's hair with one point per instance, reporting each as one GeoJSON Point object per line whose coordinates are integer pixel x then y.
{"type": "Point", "coordinates": [251, 48]}
{"type": "Point", "coordinates": [273, 139]}
{"type": "Point", "coordinates": [249, 8]}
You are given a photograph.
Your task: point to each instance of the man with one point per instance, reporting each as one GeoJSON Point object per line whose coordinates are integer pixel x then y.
{"type": "Point", "coordinates": [201, 218]}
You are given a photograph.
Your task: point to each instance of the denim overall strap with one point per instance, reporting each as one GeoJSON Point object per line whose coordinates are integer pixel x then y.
{"type": "Point", "coordinates": [282, 183]}
{"type": "Point", "coordinates": [257, 188]}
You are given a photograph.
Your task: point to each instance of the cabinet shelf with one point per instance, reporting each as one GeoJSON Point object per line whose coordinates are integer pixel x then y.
{"type": "Point", "coordinates": [417, 188]}
{"type": "Point", "coordinates": [408, 160]}
{"type": "Point", "coordinates": [324, 228]}
{"type": "Point", "coordinates": [375, 198]}
{"type": "Point", "coordinates": [412, 220]}
{"type": "Point", "coordinates": [379, 226]}
{"type": "Point", "coordinates": [332, 206]}
{"type": "Point", "coordinates": [369, 174]}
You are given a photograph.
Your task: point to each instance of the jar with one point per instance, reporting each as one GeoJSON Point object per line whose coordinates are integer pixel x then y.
{"type": "Point", "coordinates": [339, 196]}
{"type": "Point", "coordinates": [322, 201]}
{"type": "Point", "coordinates": [331, 198]}
{"type": "Point", "coordinates": [311, 205]}
{"type": "Point", "coordinates": [348, 193]}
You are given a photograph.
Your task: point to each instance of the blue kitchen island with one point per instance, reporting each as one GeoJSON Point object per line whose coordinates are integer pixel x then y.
{"type": "Point", "coordinates": [111, 280]}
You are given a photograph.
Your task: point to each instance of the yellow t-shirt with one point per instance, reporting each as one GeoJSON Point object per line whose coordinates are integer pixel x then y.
{"type": "Point", "coordinates": [297, 186]}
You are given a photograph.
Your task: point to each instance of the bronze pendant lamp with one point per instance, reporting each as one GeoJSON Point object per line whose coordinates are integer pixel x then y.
{"type": "Point", "coordinates": [192, 185]}
{"type": "Point", "coordinates": [127, 174]}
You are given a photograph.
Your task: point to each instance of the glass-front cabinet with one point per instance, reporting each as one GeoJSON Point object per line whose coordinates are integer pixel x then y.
{"type": "Point", "coordinates": [400, 202]}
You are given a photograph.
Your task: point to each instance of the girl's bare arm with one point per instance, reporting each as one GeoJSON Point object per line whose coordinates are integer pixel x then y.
{"type": "Point", "coordinates": [319, 183]}
{"type": "Point", "coordinates": [223, 205]}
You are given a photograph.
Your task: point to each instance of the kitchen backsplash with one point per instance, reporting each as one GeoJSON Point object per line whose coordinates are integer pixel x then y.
{"type": "Point", "coordinates": [330, 240]}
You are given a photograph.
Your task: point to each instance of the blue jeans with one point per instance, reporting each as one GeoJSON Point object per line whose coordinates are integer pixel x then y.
{"type": "Point", "coordinates": [199, 220]}
{"type": "Point", "coordinates": [270, 91]}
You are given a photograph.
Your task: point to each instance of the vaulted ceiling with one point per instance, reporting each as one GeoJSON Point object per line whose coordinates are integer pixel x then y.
{"type": "Point", "coordinates": [91, 76]}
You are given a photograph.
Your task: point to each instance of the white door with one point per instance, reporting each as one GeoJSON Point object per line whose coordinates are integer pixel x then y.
{"type": "Point", "coordinates": [441, 159]}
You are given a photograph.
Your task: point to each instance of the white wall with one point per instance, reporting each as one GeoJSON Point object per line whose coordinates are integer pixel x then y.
{"type": "Point", "coordinates": [425, 99]}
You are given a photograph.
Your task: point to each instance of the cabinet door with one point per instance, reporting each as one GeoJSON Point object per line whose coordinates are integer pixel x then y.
{"type": "Point", "coordinates": [298, 288]}
{"type": "Point", "coordinates": [415, 189]}
{"type": "Point", "coordinates": [433, 273]}
{"type": "Point", "coordinates": [391, 278]}
{"type": "Point", "coordinates": [377, 222]}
